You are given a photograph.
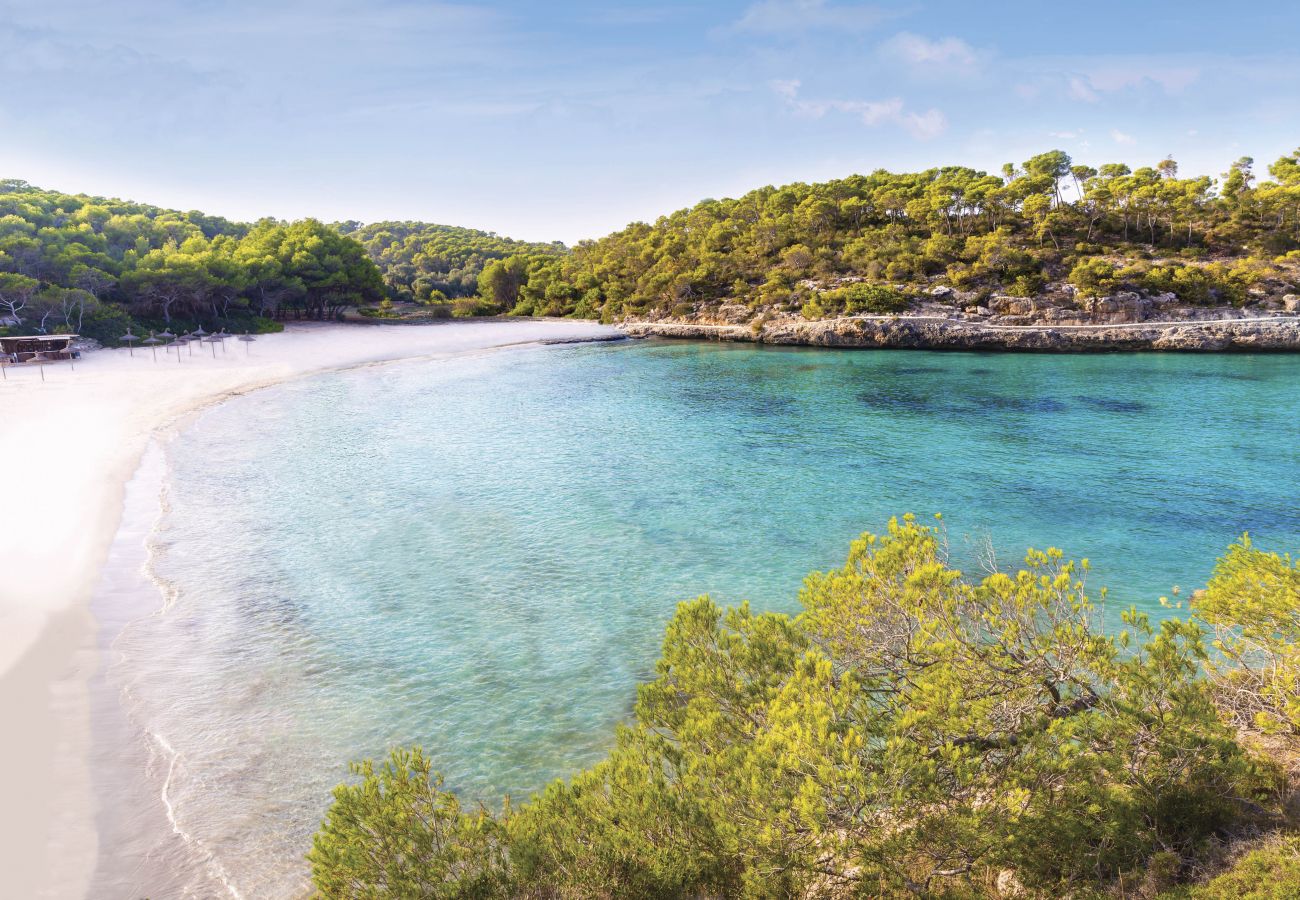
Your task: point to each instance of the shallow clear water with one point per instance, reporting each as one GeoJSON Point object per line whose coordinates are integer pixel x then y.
{"type": "Point", "coordinates": [479, 554]}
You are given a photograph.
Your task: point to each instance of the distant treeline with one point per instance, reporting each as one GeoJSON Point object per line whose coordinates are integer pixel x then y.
{"type": "Point", "coordinates": [89, 264]}
{"type": "Point", "coordinates": [428, 263]}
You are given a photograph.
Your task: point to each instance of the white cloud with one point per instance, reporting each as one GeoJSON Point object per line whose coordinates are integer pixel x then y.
{"type": "Point", "coordinates": [1120, 137]}
{"type": "Point", "coordinates": [1066, 135]}
{"type": "Point", "coordinates": [784, 16]}
{"type": "Point", "coordinates": [926, 125]}
{"type": "Point", "coordinates": [921, 51]}
{"type": "Point", "coordinates": [1081, 90]}
{"type": "Point", "coordinates": [1121, 74]}
{"type": "Point", "coordinates": [922, 126]}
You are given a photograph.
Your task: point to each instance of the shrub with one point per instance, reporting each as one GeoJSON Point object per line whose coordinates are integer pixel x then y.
{"type": "Point", "coordinates": [1095, 277]}
{"type": "Point", "coordinates": [861, 297]}
{"type": "Point", "coordinates": [465, 307]}
{"type": "Point", "coordinates": [1270, 873]}
{"type": "Point", "coordinates": [813, 310]}
{"type": "Point", "coordinates": [911, 732]}
{"type": "Point", "coordinates": [1252, 603]}
{"type": "Point", "coordinates": [1027, 285]}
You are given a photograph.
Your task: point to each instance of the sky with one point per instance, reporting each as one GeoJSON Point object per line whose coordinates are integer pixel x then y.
{"type": "Point", "coordinates": [566, 121]}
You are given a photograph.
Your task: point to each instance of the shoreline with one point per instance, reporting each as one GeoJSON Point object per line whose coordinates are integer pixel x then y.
{"type": "Point", "coordinates": [81, 435]}
{"type": "Point", "coordinates": [1272, 334]}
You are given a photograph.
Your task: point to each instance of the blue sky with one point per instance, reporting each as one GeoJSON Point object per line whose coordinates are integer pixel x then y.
{"type": "Point", "coordinates": [568, 120]}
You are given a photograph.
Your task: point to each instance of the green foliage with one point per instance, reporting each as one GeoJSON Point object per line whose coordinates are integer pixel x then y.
{"type": "Point", "coordinates": [1095, 277]}
{"type": "Point", "coordinates": [429, 263]}
{"type": "Point", "coordinates": [158, 264]}
{"type": "Point", "coordinates": [1013, 233]}
{"type": "Point", "coordinates": [1253, 604]}
{"type": "Point", "coordinates": [912, 731]}
{"type": "Point", "coordinates": [106, 324]}
{"type": "Point", "coordinates": [398, 834]}
{"type": "Point", "coordinates": [1271, 873]}
{"type": "Point", "coordinates": [877, 299]}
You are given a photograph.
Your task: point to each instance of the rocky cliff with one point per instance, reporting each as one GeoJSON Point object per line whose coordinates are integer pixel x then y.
{"type": "Point", "coordinates": [924, 332]}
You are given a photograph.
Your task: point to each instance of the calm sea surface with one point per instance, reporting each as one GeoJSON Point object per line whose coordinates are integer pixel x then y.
{"type": "Point", "coordinates": [479, 555]}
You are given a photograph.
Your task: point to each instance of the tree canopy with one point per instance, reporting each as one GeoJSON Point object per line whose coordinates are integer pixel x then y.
{"type": "Point", "coordinates": [90, 264]}
{"type": "Point", "coordinates": [914, 731]}
{"type": "Point", "coordinates": [1046, 219]}
{"type": "Point", "coordinates": [428, 263]}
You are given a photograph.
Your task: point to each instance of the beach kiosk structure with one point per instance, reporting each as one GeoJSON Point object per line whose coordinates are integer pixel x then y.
{"type": "Point", "coordinates": [48, 346]}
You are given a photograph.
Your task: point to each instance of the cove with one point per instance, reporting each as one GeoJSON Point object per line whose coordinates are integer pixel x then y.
{"type": "Point", "coordinates": [479, 554]}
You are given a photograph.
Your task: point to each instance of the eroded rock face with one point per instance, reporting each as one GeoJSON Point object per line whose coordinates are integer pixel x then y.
{"type": "Point", "coordinates": [937, 333]}
{"type": "Point", "coordinates": [1291, 303]}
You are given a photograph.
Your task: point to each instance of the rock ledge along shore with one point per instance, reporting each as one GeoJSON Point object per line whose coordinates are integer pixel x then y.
{"type": "Point", "coordinates": [1262, 334]}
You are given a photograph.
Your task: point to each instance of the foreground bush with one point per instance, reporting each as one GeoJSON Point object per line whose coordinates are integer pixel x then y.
{"type": "Point", "coordinates": [912, 731]}
{"type": "Point", "coordinates": [1253, 604]}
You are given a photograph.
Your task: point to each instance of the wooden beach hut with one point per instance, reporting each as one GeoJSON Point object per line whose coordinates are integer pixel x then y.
{"type": "Point", "coordinates": [50, 346]}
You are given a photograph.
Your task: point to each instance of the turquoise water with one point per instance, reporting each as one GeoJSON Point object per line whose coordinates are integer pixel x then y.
{"type": "Point", "coordinates": [479, 554]}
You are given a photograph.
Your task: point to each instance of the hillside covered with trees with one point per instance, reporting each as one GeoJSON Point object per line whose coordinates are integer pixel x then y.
{"type": "Point", "coordinates": [424, 263]}
{"type": "Point", "coordinates": [94, 266]}
{"type": "Point", "coordinates": [873, 243]}
{"type": "Point", "coordinates": [913, 732]}
{"type": "Point", "coordinates": [1047, 228]}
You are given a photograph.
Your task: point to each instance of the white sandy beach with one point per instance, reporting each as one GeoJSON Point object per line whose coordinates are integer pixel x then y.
{"type": "Point", "coordinates": [74, 440]}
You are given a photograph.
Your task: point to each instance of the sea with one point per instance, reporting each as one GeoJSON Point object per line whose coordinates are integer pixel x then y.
{"type": "Point", "coordinates": [478, 554]}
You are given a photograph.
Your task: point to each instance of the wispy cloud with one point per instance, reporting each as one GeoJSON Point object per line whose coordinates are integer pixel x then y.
{"type": "Point", "coordinates": [1120, 137]}
{"type": "Point", "coordinates": [922, 51]}
{"type": "Point", "coordinates": [921, 125]}
{"type": "Point", "coordinates": [787, 16]}
{"type": "Point", "coordinates": [1079, 89]}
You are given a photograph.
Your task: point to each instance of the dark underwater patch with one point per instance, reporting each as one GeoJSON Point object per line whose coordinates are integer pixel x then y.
{"type": "Point", "coordinates": [1110, 404]}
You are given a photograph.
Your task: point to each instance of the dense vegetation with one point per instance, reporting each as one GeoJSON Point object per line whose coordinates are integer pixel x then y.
{"type": "Point", "coordinates": [89, 265]}
{"type": "Point", "coordinates": [1042, 224]}
{"type": "Point", "coordinates": [863, 244]}
{"type": "Point", "coordinates": [912, 732]}
{"type": "Point", "coordinates": [425, 263]}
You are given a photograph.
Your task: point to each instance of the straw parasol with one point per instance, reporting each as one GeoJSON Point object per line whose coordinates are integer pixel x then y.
{"type": "Point", "coordinates": [247, 339]}
{"type": "Point", "coordinates": [130, 340]}
{"type": "Point", "coordinates": [153, 343]}
{"type": "Point", "coordinates": [212, 339]}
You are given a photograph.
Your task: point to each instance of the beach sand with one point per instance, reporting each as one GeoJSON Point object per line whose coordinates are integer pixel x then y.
{"type": "Point", "coordinates": [73, 441]}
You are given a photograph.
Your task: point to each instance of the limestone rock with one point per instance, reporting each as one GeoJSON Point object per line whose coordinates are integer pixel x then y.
{"type": "Point", "coordinates": [1291, 303]}
{"type": "Point", "coordinates": [964, 334]}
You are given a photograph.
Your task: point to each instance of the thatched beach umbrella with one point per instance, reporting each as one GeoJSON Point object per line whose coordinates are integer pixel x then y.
{"type": "Point", "coordinates": [222, 335]}
{"type": "Point", "coordinates": [247, 339]}
{"type": "Point", "coordinates": [213, 340]}
{"type": "Point", "coordinates": [39, 358]}
{"type": "Point", "coordinates": [166, 335]}
{"type": "Point", "coordinates": [5, 362]}
{"type": "Point", "coordinates": [130, 340]}
{"type": "Point", "coordinates": [153, 343]}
